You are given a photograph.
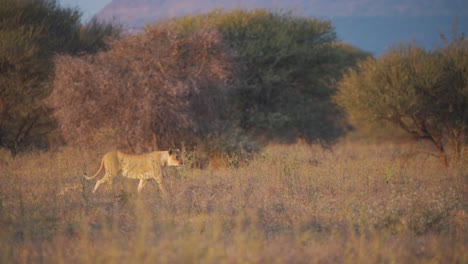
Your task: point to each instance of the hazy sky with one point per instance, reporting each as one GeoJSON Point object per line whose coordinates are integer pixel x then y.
{"type": "Point", "coordinates": [353, 7]}
{"type": "Point", "coordinates": [88, 7]}
{"type": "Point", "coordinates": [361, 31]}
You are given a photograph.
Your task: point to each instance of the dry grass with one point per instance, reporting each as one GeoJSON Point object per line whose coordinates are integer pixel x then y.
{"type": "Point", "coordinates": [355, 203]}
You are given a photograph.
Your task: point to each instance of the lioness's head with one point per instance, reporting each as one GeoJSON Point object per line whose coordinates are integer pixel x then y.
{"type": "Point", "coordinates": [174, 158]}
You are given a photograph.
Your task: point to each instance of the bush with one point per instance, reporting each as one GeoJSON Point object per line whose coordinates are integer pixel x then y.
{"type": "Point", "coordinates": [152, 90]}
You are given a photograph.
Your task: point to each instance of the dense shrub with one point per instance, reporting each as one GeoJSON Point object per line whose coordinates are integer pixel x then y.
{"type": "Point", "coordinates": [151, 90]}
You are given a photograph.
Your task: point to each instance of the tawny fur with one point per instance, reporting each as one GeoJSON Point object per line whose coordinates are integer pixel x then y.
{"type": "Point", "coordinates": [143, 167]}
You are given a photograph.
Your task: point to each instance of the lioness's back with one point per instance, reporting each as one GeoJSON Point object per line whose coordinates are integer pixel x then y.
{"type": "Point", "coordinates": [142, 166]}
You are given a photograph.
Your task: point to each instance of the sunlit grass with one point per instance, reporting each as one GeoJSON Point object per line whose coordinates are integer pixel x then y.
{"type": "Point", "coordinates": [354, 203]}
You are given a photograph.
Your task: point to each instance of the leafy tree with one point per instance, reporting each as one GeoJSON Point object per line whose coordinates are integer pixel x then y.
{"type": "Point", "coordinates": [289, 65]}
{"type": "Point", "coordinates": [31, 33]}
{"type": "Point", "coordinates": [200, 75]}
{"type": "Point", "coordinates": [423, 92]}
{"type": "Point", "coordinates": [148, 91]}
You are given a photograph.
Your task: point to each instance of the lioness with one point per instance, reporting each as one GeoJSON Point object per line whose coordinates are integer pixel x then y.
{"type": "Point", "coordinates": [144, 167]}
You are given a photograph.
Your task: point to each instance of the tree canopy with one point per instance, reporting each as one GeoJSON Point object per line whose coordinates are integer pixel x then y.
{"type": "Point", "coordinates": [289, 67]}
{"type": "Point", "coordinates": [423, 92]}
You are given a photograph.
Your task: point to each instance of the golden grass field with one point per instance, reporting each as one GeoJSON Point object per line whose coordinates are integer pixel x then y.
{"type": "Point", "coordinates": [353, 203]}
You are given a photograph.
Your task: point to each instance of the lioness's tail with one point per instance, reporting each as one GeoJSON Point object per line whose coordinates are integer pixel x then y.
{"type": "Point", "coordinates": [97, 173]}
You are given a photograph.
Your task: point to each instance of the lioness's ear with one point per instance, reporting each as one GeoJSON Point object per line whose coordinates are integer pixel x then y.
{"type": "Point", "coordinates": [170, 151]}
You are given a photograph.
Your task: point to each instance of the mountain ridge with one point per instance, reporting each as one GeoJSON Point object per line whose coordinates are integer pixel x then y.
{"type": "Point", "coordinates": [330, 8]}
{"type": "Point", "coordinates": [371, 25]}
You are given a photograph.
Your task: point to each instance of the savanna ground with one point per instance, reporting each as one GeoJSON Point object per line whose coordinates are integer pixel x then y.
{"type": "Point", "coordinates": [353, 203]}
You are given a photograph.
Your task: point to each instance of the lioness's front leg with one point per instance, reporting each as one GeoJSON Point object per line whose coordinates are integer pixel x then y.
{"type": "Point", "coordinates": [142, 184]}
{"type": "Point", "coordinates": [160, 184]}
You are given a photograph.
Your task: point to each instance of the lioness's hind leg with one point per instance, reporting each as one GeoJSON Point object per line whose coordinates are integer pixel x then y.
{"type": "Point", "coordinates": [99, 182]}
{"type": "Point", "coordinates": [104, 179]}
{"type": "Point", "coordinates": [142, 184]}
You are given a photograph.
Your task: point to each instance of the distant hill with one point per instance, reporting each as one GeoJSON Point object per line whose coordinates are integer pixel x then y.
{"type": "Point", "coordinates": [371, 25]}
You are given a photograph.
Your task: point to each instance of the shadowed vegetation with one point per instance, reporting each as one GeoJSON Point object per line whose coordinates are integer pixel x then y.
{"type": "Point", "coordinates": [31, 33]}
{"type": "Point", "coordinates": [289, 65]}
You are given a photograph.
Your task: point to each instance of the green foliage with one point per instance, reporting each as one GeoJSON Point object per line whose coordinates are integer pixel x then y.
{"type": "Point", "coordinates": [423, 92]}
{"type": "Point", "coordinates": [288, 67]}
{"type": "Point", "coordinates": [31, 32]}
{"type": "Point", "coordinates": [95, 34]}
